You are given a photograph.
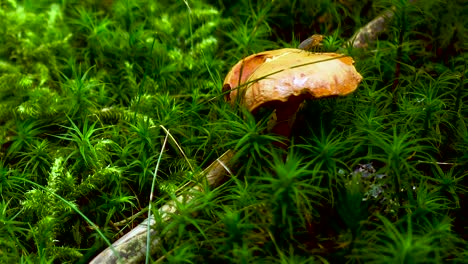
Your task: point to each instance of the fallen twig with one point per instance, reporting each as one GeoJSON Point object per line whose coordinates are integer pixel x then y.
{"type": "Point", "coordinates": [369, 33]}
{"type": "Point", "coordinates": [131, 248]}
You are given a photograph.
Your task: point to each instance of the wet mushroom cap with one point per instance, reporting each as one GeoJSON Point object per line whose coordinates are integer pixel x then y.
{"type": "Point", "coordinates": [278, 75]}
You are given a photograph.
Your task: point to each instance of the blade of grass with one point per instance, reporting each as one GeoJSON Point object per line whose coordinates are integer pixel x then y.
{"type": "Point", "coordinates": [179, 147]}
{"type": "Point", "coordinates": [148, 237]}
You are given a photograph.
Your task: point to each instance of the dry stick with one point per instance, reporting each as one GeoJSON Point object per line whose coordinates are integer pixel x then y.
{"type": "Point", "coordinates": [132, 246]}
{"type": "Point", "coordinates": [369, 33]}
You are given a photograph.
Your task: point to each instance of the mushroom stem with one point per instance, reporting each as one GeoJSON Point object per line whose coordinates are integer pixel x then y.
{"type": "Point", "coordinates": [285, 117]}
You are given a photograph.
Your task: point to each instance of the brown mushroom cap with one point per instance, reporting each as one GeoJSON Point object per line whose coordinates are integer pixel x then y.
{"type": "Point", "coordinates": [278, 75]}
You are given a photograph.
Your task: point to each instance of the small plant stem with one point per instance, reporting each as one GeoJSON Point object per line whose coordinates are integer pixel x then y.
{"type": "Point", "coordinates": [131, 218]}
{"type": "Point", "coordinates": [148, 233]}
{"type": "Point", "coordinates": [397, 70]}
{"type": "Point", "coordinates": [460, 91]}
{"type": "Point", "coordinates": [179, 147]}
{"type": "Point", "coordinates": [399, 56]}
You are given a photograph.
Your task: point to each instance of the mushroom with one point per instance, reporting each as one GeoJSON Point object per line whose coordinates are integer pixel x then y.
{"type": "Point", "coordinates": [284, 78]}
